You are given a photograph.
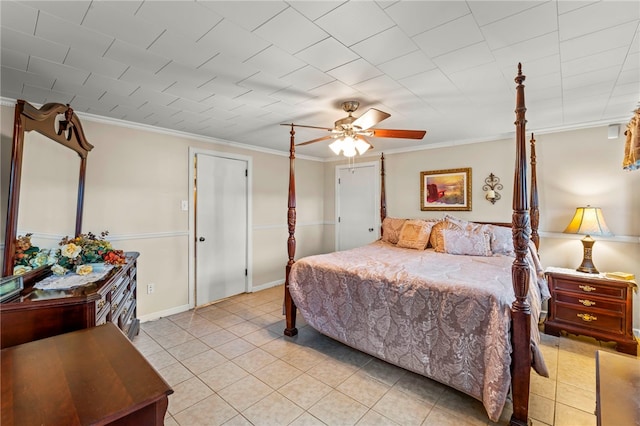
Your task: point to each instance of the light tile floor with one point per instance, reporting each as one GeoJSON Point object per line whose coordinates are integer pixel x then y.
{"type": "Point", "coordinates": [229, 364]}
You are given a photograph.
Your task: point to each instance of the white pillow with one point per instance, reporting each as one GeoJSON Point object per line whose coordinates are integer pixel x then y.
{"type": "Point", "coordinates": [470, 243]}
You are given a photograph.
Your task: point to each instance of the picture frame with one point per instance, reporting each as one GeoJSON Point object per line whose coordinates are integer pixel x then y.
{"type": "Point", "coordinates": [448, 189]}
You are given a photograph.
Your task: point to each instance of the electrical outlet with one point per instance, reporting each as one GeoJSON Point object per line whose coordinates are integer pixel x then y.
{"type": "Point", "coordinates": [151, 288]}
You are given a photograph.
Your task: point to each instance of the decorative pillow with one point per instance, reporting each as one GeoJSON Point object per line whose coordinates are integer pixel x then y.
{"type": "Point", "coordinates": [457, 221]}
{"type": "Point", "coordinates": [458, 241]}
{"type": "Point", "coordinates": [436, 234]}
{"type": "Point", "coordinates": [391, 228]}
{"type": "Point", "coordinates": [415, 234]}
{"type": "Point", "coordinates": [467, 225]}
{"type": "Point", "coordinates": [502, 240]}
{"type": "Point", "coordinates": [501, 236]}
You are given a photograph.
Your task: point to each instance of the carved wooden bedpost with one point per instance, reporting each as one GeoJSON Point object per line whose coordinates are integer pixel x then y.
{"type": "Point", "coordinates": [534, 211]}
{"type": "Point", "coordinates": [383, 194]}
{"type": "Point", "coordinates": [520, 311]}
{"type": "Point", "coordinates": [289, 306]}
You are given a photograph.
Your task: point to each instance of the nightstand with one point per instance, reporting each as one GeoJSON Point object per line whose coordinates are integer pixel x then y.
{"type": "Point", "coordinates": [591, 305]}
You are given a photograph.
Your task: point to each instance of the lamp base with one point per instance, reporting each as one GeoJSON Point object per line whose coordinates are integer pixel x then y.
{"type": "Point", "coordinates": [587, 269]}
{"type": "Point", "coordinates": [587, 265]}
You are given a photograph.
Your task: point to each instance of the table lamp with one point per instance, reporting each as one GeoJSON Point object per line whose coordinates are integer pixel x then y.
{"type": "Point", "coordinates": [588, 221]}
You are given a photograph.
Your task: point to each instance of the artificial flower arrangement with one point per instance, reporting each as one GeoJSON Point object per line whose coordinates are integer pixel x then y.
{"type": "Point", "coordinates": [75, 254]}
{"type": "Point", "coordinates": [29, 257]}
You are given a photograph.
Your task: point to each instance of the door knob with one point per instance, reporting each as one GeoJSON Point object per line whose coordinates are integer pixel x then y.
{"type": "Point", "coordinates": [201, 239]}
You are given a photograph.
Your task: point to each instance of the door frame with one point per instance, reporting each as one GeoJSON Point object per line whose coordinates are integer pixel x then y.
{"type": "Point", "coordinates": [192, 217]}
{"type": "Point", "coordinates": [376, 188]}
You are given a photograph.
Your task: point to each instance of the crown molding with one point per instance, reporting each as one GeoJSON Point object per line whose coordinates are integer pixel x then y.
{"type": "Point", "coordinates": [8, 102]}
{"type": "Point", "coordinates": [145, 127]}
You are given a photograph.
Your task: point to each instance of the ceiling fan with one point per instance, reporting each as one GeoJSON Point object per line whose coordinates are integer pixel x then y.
{"type": "Point", "coordinates": [350, 133]}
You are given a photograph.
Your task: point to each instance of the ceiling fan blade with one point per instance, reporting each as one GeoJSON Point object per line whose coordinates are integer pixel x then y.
{"type": "Point", "coordinates": [324, 138]}
{"type": "Point", "coordinates": [401, 134]}
{"type": "Point", "coordinates": [309, 127]}
{"type": "Point", "coordinates": [370, 118]}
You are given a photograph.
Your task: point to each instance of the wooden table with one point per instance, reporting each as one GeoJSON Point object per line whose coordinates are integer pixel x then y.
{"type": "Point", "coordinates": [93, 376]}
{"type": "Point", "coordinates": [617, 389]}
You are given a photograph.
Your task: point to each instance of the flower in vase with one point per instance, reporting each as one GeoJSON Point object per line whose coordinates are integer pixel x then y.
{"type": "Point", "coordinates": [70, 250]}
{"type": "Point", "coordinates": [43, 257]}
{"type": "Point", "coordinates": [21, 269]}
{"type": "Point", "coordinates": [58, 270]}
{"type": "Point", "coordinates": [86, 249]}
{"type": "Point", "coordinates": [84, 269]}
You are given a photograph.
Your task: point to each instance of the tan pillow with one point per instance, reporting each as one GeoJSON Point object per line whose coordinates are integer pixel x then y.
{"type": "Point", "coordinates": [470, 243]}
{"type": "Point", "coordinates": [391, 228]}
{"type": "Point", "coordinates": [436, 234]}
{"type": "Point", "coordinates": [415, 234]}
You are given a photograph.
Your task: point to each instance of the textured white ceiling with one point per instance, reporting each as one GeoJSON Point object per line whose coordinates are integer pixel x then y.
{"type": "Point", "coordinates": [235, 70]}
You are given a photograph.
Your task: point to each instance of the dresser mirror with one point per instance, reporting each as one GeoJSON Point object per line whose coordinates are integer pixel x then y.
{"type": "Point", "coordinates": [48, 168]}
{"type": "Point", "coordinates": [48, 191]}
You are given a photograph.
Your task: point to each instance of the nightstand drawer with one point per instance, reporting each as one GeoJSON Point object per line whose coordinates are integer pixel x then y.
{"type": "Point", "coordinates": [592, 288]}
{"type": "Point", "coordinates": [588, 300]}
{"type": "Point", "coordinates": [590, 318]}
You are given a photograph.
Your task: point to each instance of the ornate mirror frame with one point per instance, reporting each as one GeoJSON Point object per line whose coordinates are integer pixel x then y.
{"type": "Point", "coordinates": [67, 132]}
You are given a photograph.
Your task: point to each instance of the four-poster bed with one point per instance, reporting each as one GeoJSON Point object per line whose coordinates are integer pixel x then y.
{"type": "Point", "coordinates": [504, 362]}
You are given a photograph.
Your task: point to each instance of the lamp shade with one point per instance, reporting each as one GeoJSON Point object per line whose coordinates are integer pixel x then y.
{"type": "Point", "coordinates": [588, 221]}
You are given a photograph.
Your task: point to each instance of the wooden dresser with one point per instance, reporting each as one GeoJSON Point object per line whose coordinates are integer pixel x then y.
{"type": "Point", "coordinates": [37, 314]}
{"type": "Point", "coordinates": [87, 377]}
{"type": "Point", "coordinates": [591, 305]}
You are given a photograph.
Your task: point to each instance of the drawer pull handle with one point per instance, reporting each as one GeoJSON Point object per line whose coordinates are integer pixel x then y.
{"type": "Point", "coordinates": [587, 317]}
{"type": "Point", "coordinates": [101, 304]}
{"type": "Point", "coordinates": [587, 302]}
{"type": "Point", "coordinates": [114, 308]}
{"type": "Point", "coordinates": [587, 288]}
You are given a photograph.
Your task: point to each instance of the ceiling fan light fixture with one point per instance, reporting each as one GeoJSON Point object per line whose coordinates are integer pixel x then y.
{"type": "Point", "coordinates": [348, 146]}
{"type": "Point", "coordinates": [349, 150]}
{"type": "Point", "coordinates": [336, 146]}
{"type": "Point", "coordinates": [351, 133]}
{"type": "Point", "coordinates": [362, 146]}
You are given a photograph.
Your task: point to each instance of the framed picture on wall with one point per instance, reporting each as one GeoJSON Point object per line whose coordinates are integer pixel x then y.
{"type": "Point", "coordinates": [445, 189]}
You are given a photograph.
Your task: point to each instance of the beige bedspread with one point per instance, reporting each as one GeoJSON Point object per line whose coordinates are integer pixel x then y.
{"type": "Point", "coordinates": [443, 316]}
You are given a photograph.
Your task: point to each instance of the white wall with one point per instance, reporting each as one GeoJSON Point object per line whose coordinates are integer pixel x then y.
{"type": "Point", "coordinates": [136, 180]}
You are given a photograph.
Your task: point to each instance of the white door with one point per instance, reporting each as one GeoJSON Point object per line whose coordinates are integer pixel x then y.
{"type": "Point", "coordinates": [221, 227]}
{"type": "Point", "coordinates": [357, 205]}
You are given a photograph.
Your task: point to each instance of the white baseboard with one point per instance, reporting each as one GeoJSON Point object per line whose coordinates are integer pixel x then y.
{"type": "Point", "coordinates": [161, 314]}
{"type": "Point", "coordinates": [636, 332]}
{"type": "Point", "coordinates": [266, 285]}
{"type": "Point", "coordinates": [178, 309]}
